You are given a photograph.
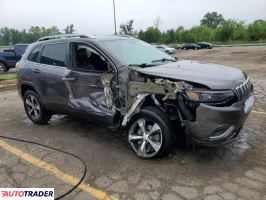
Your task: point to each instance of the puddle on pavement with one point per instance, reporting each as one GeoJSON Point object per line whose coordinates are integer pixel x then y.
{"type": "Point", "coordinates": [58, 119]}
{"type": "Point", "coordinates": [55, 120]}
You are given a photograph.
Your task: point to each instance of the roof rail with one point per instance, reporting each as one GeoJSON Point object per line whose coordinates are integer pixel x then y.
{"type": "Point", "coordinates": [53, 37]}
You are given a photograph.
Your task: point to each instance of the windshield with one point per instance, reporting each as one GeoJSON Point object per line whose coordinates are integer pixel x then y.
{"type": "Point", "coordinates": [135, 52]}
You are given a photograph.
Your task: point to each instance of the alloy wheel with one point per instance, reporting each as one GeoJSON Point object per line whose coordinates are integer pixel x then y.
{"type": "Point", "coordinates": [33, 107]}
{"type": "Point", "coordinates": [145, 137]}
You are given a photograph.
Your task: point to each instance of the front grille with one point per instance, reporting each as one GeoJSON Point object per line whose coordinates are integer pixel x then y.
{"type": "Point", "coordinates": [243, 90]}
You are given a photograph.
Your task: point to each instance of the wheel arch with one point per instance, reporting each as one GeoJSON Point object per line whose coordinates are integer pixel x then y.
{"type": "Point", "coordinates": [145, 101]}
{"type": "Point", "coordinates": [27, 86]}
{"type": "Point", "coordinates": [3, 61]}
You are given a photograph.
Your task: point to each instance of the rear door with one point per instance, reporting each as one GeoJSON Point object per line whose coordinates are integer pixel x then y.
{"type": "Point", "coordinates": [54, 64]}
{"type": "Point", "coordinates": [89, 94]}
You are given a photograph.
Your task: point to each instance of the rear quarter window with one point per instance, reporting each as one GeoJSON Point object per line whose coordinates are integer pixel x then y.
{"type": "Point", "coordinates": [54, 54]}
{"type": "Point", "coordinates": [34, 55]}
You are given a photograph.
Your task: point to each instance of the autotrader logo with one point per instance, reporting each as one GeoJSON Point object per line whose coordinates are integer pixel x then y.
{"type": "Point", "coordinates": [27, 193]}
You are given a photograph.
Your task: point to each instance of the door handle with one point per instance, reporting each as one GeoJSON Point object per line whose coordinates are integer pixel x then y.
{"type": "Point", "coordinates": [36, 71]}
{"type": "Point", "coordinates": [68, 79]}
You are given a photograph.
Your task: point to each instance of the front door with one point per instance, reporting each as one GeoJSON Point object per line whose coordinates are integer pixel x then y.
{"type": "Point", "coordinates": [86, 82]}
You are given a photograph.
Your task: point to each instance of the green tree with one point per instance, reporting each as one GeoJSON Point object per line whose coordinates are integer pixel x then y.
{"type": "Point", "coordinates": [69, 29]}
{"type": "Point", "coordinates": [212, 19]}
{"type": "Point", "coordinates": [141, 34]}
{"type": "Point", "coordinates": [127, 29]}
{"type": "Point", "coordinates": [257, 30]}
{"type": "Point", "coordinates": [151, 35]}
{"type": "Point", "coordinates": [5, 36]}
{"type": "Point", "coordinates": [240, 31]}
{"type": "Point", "coordinates": [226, 31]}
{"type": "Point", "coordinates": [10, 36]}
{"type": "Point", "coordinates": [169, 36]}
{"type": "Point", "coordinates": [200, 33]}
{"type": "Point", "coordinates": [179, 34]}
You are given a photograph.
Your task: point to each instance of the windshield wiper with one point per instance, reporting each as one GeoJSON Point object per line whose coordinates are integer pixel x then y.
{"type": "Point", "coordinates": [163, 60]}
{"type": "Point", "coordinates": [143, 65]}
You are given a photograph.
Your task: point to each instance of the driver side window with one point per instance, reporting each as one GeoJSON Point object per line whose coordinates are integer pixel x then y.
{"type": "Point", "coordinates": [87, 59]}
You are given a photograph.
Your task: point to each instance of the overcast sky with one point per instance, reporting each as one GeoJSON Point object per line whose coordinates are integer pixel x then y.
{"type": "Point", "coordinates": [96, 16]}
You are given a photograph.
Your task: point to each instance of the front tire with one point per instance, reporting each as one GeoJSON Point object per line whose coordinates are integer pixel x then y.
{"type": "Point", "coordinates": [34, 109]}
{"type": "Point", "coordinates": [150, 134]}
{"type": "Point", "coordinates": [3, 68]}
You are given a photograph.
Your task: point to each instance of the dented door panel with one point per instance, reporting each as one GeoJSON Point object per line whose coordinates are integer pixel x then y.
{"type": "Point", "coordinates": [87, 93]}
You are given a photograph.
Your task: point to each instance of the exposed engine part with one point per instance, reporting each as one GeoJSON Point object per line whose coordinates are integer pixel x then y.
{"type": "Point", "coordinates": [136, 92]}
{"type": "Point", "coordinates": [141, 90]}
{"type": "Point", "coordinates": [158, 86]}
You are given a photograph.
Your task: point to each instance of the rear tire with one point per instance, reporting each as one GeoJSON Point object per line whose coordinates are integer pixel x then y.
{"type": "Point", "coordinates": [150, 133]}
{"type": "Point", "coordinates": [34, 109]}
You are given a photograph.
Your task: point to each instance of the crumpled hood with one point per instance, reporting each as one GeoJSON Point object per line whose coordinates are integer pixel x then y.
{"type": "Point", "coordinates": [214, 76]}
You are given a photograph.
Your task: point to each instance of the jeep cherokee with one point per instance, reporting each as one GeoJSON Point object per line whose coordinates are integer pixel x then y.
{"type": "Point", "coordinates": [126, 84]}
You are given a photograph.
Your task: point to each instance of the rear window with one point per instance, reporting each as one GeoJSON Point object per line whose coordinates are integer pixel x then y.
{"type": "Point", "coordinates": [34, 55]}
{"type": "Point", "coordinates": [54, 54]}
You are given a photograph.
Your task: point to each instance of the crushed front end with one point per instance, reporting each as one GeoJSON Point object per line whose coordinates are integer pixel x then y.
{"type": "Point", "coordinates": [216, 117]}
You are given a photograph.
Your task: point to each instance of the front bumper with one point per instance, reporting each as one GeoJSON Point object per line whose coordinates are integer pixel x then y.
{"type": "Point", "coordinates": [219, 125]}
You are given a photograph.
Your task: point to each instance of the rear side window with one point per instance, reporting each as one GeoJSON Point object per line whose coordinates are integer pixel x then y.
{"type": "Point", "coordinates": [34, 55]}
{"type": "Point", "coordinates": [54, 54]}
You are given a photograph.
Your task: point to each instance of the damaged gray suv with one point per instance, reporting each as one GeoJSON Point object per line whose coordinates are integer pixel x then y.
{"type": "Point", "coordinates": [126, 84]}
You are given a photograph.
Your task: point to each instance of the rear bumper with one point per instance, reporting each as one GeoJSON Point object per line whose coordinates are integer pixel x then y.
{"type": "Point", "coordinates": [219, 125]}
{"type": "Point", "coordinates": [172, 51]}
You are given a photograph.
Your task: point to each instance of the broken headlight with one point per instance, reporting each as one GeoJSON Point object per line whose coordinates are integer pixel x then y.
{"type": "Point", "coordinates": [210, 96]}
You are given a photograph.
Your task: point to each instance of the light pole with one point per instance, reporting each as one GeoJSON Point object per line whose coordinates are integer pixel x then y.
{"type": "Point", "coordinates": [114, 17]}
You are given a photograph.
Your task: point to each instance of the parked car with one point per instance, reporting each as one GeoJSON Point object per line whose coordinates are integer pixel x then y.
{"type": "Point", "coordinates": [9, 57]}
{"type": "Point", "coordinates": [125, 84]}
{"type": "Point", "coordinates": [190, 46]}
{"type": "Point", "coordinates": [166, 49]}
{"type": "Point", "coordinates": [176, 46]}
{"type": "Point", "coordinates": [205, 45]}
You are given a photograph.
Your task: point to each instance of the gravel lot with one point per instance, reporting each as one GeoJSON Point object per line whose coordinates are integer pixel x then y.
{"type": "Point", "coordinates": [236, 171]}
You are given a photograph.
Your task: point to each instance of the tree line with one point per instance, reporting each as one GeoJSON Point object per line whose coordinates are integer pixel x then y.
{"type": "Point", "coordinates": [213, 28]}
{"type": "Point", "coordinates": [11, 36]}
